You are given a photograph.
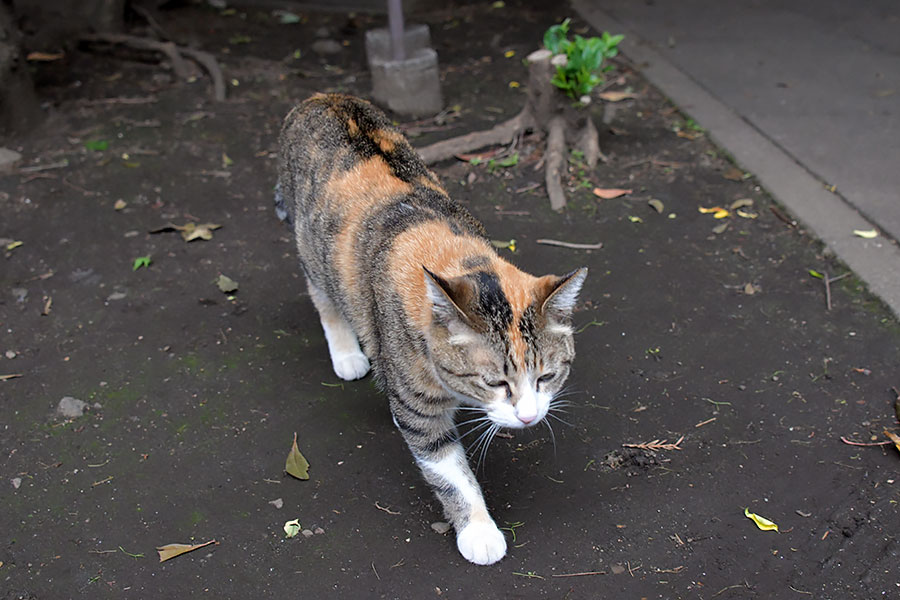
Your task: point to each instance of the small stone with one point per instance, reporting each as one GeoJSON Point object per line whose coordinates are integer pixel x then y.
{"type": "Point", "coordinates": [327, 46]}
{"type": "Point", "coordinates": [441, 527]}
{"type": "Point", "coordinates": [20, 294]}
{"type": "Point", "coordinates": [71, 408]}
{"type": "Point", "coordinates": [16, 481]}
{"type": "Point", "coordinates": [11, 354]}
{"type": "Point", "coordinates": [617, 569]}
{"type": "Point", "coordinates": [307, 533]}
{"type": "Point", "coordinates": [116, 296]}
{"type": "Point", "coordinates": [277, 502]}
{"type": "Point", "coordinates": [9, 160]}
{"type": "Point", "coordinates": [318, 531]}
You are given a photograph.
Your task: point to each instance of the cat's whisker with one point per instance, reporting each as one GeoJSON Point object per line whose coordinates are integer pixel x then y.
{"type": "Point", "coordinates": [564, 422]}
{"type": "Point", "coordinates": [552, 435]}
{"type": "Point", "coordinates": [475, 420]}
{"type": "Point", "coordinates": [476, 429]}
{"type": "Point", "coordinates": [473, 447]}
{"type": "Point", "coordinates": [484, 448]}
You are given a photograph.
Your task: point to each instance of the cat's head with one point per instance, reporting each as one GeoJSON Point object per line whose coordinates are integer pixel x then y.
{"type": "Point", "coordinates": [503, 341]}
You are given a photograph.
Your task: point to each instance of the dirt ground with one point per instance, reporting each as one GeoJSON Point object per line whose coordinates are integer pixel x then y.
{"type": "Point", "coordinates": [718, 341]}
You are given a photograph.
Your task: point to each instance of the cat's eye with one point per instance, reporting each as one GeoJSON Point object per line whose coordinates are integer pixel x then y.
{"type": "Point", "coordinates": [500, 384]}
{"type": "Point", "coordinates": [546, 378]}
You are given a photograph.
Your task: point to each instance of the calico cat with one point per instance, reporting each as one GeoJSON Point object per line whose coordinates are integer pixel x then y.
{"type": "Point", "coordinates": [405, 279]}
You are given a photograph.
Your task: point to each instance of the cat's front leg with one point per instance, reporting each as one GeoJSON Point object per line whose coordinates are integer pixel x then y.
{"type": "Point", "coordinates": [433, 440]}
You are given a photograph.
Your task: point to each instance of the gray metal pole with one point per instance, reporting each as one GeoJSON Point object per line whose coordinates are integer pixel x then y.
{"type": "Point", "coordinates": [395, 23]}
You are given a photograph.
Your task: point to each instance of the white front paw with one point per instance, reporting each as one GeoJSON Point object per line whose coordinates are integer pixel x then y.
{"type": "Point", "coordinates": [481, 543]}
{"type": "Point", "coordinates": [350, 366]}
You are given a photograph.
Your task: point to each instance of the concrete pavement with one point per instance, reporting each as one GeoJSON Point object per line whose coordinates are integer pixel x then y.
{"type": "Point", "coordinates": [804, 94]}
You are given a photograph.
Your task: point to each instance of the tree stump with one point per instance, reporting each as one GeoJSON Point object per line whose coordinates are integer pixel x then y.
{"type": "Point", "coordinates": [548, 110]}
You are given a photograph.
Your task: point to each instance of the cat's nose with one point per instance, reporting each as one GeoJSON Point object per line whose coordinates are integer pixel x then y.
{"type": "Point", "coordinates": [527, 419]}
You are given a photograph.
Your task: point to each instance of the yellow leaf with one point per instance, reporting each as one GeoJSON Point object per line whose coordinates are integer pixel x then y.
{"type": "Point", "coordinates": [721, 214]}
{"type": "Point", "coordinates": [513, 84]}
{"type": "Point", "coordinates": [705, 210]}
{"type": "Point", "coordinates": [761, 522]}
{"type": "Point", "coordinates": [14, 245]}
{"type": "Point", "coordinates": [509, 53]}
{"type": "Point", "coordinates": [893, 437]}
{"type": "Point", "coordinates": [296, 465]}
{"type": "Point", "coordinates": [634, 219]}
{"type": "Point", "coordinates": [745, 214]}
{"type": "Point", "coordinates": [172, 550]}
{"type": "Point", "coordinates": [292, 528]}
{"type": "Point", "coordinates": [656, 204]}
{"type": "Point", "coordinates": [868, 233]}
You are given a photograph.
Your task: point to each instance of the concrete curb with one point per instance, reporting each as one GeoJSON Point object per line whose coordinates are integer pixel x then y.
{"type": "Point", "coordinates": [827, 215]}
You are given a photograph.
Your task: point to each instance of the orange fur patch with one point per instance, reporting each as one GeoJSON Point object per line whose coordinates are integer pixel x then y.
{"type": "Point", "coordinates": [435, 246]}
{"type": "Point", "coordinates": [387, 140]}
{"type": "Point", "coordinates": [352, 128]}
{"type": "Point", "coordinates": [353, 195]}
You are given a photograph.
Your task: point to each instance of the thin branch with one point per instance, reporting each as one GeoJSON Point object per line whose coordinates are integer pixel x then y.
{"type": "Point", "coordinates": [572, 245]}
{"type": "Point", "coordinates": [385, 509]}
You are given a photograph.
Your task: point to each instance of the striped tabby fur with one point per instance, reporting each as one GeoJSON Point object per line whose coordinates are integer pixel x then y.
{"type": "Point", "coordinates": [405, 279]}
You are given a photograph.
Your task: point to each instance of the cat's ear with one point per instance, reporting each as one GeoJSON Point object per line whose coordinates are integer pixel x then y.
{"type": "Point", "coordinates": [557, 295]}
{"type": "Point", "coordinates": [448, 297]}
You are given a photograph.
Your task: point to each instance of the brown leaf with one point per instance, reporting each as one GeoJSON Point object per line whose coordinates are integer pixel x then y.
{"type": "Point", "coordinates": [172, 550]}
{"type": "Point", "coordinates": [610, 193]}
{"type": "Point", "coordinates": [616, 95]}
{"type": "Point", "coordinates": [688, 135]}
{"type": "Point", "coordinates": [733, 174]}
{"type": "Point", "coordinates": [296, 465]}
{"type": "Point", "coordinates": [480, 156]}
{"type": "Point", "coordinates": [44, 56]}
{"type": "Point", "coordinates": [201, 231]}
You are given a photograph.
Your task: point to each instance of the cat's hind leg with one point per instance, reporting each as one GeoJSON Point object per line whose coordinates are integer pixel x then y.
{"type": "Point", "coordinates": [347, 358]}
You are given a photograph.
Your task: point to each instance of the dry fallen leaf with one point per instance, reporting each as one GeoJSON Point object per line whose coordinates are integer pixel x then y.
{"type": "Point", "coordinates": [616, 96]}
{"type": "Point", "coordinates": [226, 284]}
{"type": "Point", "coordinates": [893, 437]}
{"type": "Point", "coordinates": [44, 56]}
{"type": "Point", "coordinates": [733, 174]}
{"type": "Point", "coordinates": [868, 233]}
{"type": "Point", "coordinates": [761, 522]}
{"type": "Point", "coordinates": [172, 550]}
{"type": "Point", "coordinates": [296, 465]}
{"type": "Point", "coordinates": [610, 193]}
{"type": "Point", "coordinates": [741, 203]}
{"type": "Point", "coordinates": [656, 204]}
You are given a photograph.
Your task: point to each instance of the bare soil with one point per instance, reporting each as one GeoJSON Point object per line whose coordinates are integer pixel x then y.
{"type": "Point", "coordinates": [719, 340]}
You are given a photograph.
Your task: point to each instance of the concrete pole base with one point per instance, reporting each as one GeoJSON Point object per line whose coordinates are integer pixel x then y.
{"type": "Point", "coordinates": [407, 87]}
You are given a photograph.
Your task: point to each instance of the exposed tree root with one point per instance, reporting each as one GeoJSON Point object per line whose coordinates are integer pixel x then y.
{"type": "Point", "coordinates": [173, 52]}
{"type": "Point", "coordinates": [546, 110]}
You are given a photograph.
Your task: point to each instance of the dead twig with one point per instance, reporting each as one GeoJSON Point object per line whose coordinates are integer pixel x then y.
{"type": "Point", "coordinates": [586, 573]}
{"type": "Point", "coordinates": [10, 376]}
{"type": "Point", "coordinates": [36, 168]}
{"type": "Point", "coordinates": [385, 509]}
{"type": "Point", "coordinates": [782, 217]}
{"type": "Point", "coordinates": [657, 445]}
{"type": "Point", "coordinates": [828, 281]}
{"type": "Point", "coordinates": [706, 422]}
{"type": "Point", "coordinates": [572, 245]}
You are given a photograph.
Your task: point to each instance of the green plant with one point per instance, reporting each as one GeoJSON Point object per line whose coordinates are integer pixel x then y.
{"type": "Point", "coordinates": [585, 58]}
